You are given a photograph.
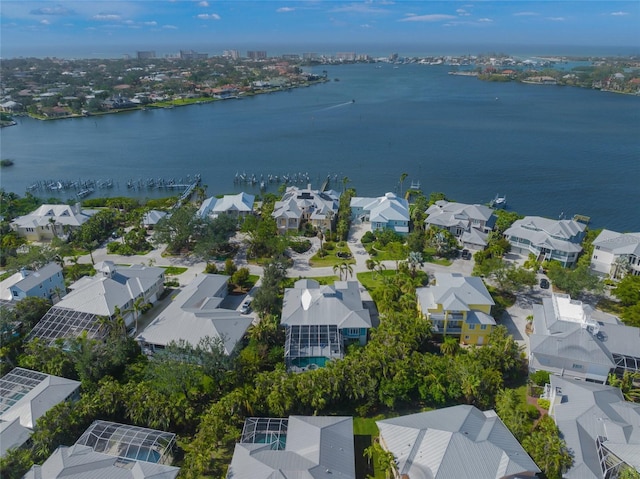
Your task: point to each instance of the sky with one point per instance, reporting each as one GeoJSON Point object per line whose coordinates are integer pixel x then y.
{"type": "Point", "coordinates": [85, 28]}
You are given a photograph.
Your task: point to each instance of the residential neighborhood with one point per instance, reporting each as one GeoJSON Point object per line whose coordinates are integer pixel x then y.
{"type": "Point", "coordinates": [316, 332]}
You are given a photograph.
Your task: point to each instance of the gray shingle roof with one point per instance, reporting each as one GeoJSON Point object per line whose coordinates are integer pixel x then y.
{"type": "Point", "coordinates": [618, 243]}
{"type": "Point", "coordinates": [34, 278]}
{"type": "Point", "coordinates": [454, 292]}
{"type": "Point", "coordinates": [454, 442]}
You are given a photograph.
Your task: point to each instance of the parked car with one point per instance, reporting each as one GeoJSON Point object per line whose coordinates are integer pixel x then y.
{"type": "Point", "coordinates": [246, 307]}
{"type": "Point", "coordinates": [466, 254]}
{"type": "Point", "coordinates": [544, 283]}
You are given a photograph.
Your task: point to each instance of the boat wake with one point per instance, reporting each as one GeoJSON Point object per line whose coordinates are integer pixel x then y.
{"type": "Point", "coordinates": [337, 106]}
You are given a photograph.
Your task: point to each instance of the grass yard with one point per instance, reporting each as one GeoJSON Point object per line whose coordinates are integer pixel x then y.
{"type": "Point", "coordinates": [173, 270]}
{"type": "Point", "coordinates": [322, 280]}
{"type": "Point", "coordinates": [393, 251]}
{"type": "Point", "coordinates": [331, 259]}
{"type": "Point", "coordinates": [372, 279]}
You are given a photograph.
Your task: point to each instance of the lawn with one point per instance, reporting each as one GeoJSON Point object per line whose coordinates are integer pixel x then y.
{"type": "Point", "coordinates": [322, 280]}
{"type": "Point", "coordinates": [393, 251]}
{"type": "Point", "coordinates": [372, 279]}
{"type": "Point", "coordinates": [331, 259]}
{"type": "Point", "coordinates": [174, 270]}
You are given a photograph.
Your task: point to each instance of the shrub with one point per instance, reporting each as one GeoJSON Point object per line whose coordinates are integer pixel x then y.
{"type": "Point", "coordinates": [368, 237]}
{"type": "Point", "coordinates": [329, 246]}
{"type": "Point", "coordinates": [300, 246]}
{"type": "Point", "coordinates": [540, 378]}
{"type": "Point", "coordinates": [211, 268]}
{"type": "Point", "coordinates": [544, 403]}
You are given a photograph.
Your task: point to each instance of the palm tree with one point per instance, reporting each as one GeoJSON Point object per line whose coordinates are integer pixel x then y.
{"type": "Point", "coordinates": [449, 346]}
{"type": "Point", "coordinates": [139, 307]}
{"type": "Point", "coordinates": [403, 177]}
{"type": "Point", "coordinates": [345, 180]}
{"type": "Point", "coordinates": [379, 267]}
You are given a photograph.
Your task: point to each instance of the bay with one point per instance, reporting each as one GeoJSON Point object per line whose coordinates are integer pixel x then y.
{"type": "Point", "coordinates": [552, 150]}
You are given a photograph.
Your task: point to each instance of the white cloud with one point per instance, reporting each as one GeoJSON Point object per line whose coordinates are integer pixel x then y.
{"type": "Point", "coordinates": [45, 22]}
{"type": "Point", "coordinates": [556, 19]}
{"type": "Point", "coordinates": [359, 8]}
{"type": "Point", "coordinates": [485, 20]}
{"type": "Point", "coordinates": [365, 25]}
{"type": "Point", "coordinates": [526, 14]}
{"type": "Point", "coordinates": [57, 10]}
{"type": "Point", "coordinates": [107, 17]}
{"type": "Point", "coordinates": [209, 16]}
{"type": "Point", "coordinates": [285, 9]}
{"type": "Point", "coordinates": [619, 14]}
{"type": "Point", "coordinates": [152, 23]}
{"type": "Point", "coordinates": [436, 17]}
{"type": "Point", "coordinates": [204, 3]}
{"type": "Point", "coordinates": [169, 27]}
{"type": "Point", "coordinates": [462, 12]}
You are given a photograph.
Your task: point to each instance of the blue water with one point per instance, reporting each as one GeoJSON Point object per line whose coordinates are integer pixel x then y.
{"type": "Point", "coordinates": [552, 150]}
{"type": "Point", "coordinates": [143, 454]}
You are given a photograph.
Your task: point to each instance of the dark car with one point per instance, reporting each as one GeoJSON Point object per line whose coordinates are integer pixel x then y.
{"type": "Point", "coordinates": [544, 283]}
{"type": "Point", "coordinates": [466, 254]}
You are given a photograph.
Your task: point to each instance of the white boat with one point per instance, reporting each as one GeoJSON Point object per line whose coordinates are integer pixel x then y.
{"type": "Point", "coordinates": [499, 201]}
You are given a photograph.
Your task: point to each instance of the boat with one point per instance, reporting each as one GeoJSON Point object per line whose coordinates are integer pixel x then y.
{"type": "Point", "coordinates": [499, 201]}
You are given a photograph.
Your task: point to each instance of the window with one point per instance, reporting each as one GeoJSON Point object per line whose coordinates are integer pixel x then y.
{"type": "Point", "coordinates": [577, 366]}
{"type": "Point", "coordinates": [472, 326]}
{"type": "Point", "coordinates": [483, 327]}
{"type": "Point", "coordinates": [466, 338]}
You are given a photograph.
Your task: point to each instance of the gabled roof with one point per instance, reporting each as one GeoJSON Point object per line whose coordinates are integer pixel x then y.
{"type": "Point", "coordinates": [242, 202]}
{"type": "Point", "coordinates": [151, 217]}
{"type": "Point", "coordinates": [316, 203]}
{"type": "Point", "coordinates": [454, 292]}
{"type": "Point", "coordinates": [34, 278]}
{"type": "Point", "coordinates": [317, 447]}
{"type": "Point", "coordinates": [560, 235]}
{"type": "Point", "coordinates": [309, 303]}
{"type": "Point", "coordinates": [62, 214]}
{"type": "Point", "coordinates": [12, 435]}
{"type": "Point", "coordinates": [584, 411]}
{"type": "Point", "coordinates": [455, 442]}
{"type": "Point", "coordinates": [384, 208]}
{"type": "Point", "coordinates": [111, 287]}
{"type": "Point", "coordinates": [446, 214]}
{"type": "Point", "coordinates": [618, 243]}
{"type": "Point", "coordinates": [28, 395]}
{"type": "Point", "coordinates": [475, 237]}
{"type": "Point", "coordinates": [82, 462]}
{"type": "Point", "coordinates": [195, 314]}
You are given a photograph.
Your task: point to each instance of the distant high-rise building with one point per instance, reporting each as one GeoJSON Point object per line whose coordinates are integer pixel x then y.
{"type": "Point", "coordinates": [346, 56]}
{"type": "Point", "coordinates": [257, 54]}
{"type": "Point", "coordinates": [309, 56]}
{"type": "Point", "coordinates": [233, 54]}
{"type": "Point", "coordinates": [192, 55]}
{"type": "Point", "coordinates": [145, 54]}
{"type": "Point", "coordinates": [291, 57]}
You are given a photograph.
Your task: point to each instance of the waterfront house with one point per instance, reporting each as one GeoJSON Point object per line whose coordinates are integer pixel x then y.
{"type": "Point", "coordinates": [572, 340]}
{"type": "Point", "coordinates": [548, 240]}
{"type": "Point", "coordinates": [112, 450]}
{"type": "Point", "coordinates": [25, 396]}
{"type": "Point", "coordinates": [454, 442]}
{"type": "Point", "coordinates": [195, 314]}
{"type": "Point", "coordinates": [46, 282]}
{"type": "Point", "coordinates": [458, 306]}
{"type": "Point", "coordinates": [112, 291]}
{"type": "Point", "coordinates": [297, 206]}
{"type": "Point", "coordinates": [298, 446]}
{"type": "Point", "coordinates": [237, 206]}
{"type": "Point", "coordinates": [469, 223]}
{"type": "Point", "coordinates": [321, 321]}
{"type": "Point", "coordinates": [616, 254]}
{"type": "Point", "coordinates": [151, 218]}
{"type": "Point", "coordinates": [601, 429]}
{"type": "Point", "coordinates": [385, 212]}
{"type": "Point", "coordinates": [49, 221]}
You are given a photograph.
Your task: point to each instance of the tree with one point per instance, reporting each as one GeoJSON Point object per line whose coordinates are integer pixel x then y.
{"type": "Point", "coordinates": [628, 384]}
{"type": "Point", "coordinates": [574, 281]}
{"type": "Point", "coordinates": [450, 346]}
{"type": "Point", "coordinates": [628, 290]}
{"type": "Point", "coordinates": [547, 449]}
{"type": "Point", "coordinates": [403, 177]}
{"type": "Point", "coordinates": [178, 229]}
{"type": "Point", "coordinates": [414, 261]}
{"type": "Point", "coordinates": [268, 298]}
{"type": "Point", "coordinates": [343, 268]}
{"type": "Point", "coordinates": [138, 307]}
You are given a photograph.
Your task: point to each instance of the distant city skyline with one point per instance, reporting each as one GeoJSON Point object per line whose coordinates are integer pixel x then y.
{"type": "Point", "coordinates": [78, 29]}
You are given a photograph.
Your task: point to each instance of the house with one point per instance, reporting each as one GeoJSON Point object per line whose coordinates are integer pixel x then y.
{"type": "Point", "coordinates": [25, 396]}
{"type": "Point", "coordinates": [152, 217]}
{"type": "Point", "coordinates": [195, 314]}
{"type": "Point", "coordinates": [49, 221]}
{"type": "Point", "coordinates": [108, 449]}
{"type": "Point", "coordinates": [237, 206]}
{"type": "Point", "coordinates": [46, 282]}
{"type": "Point", "coordinates": [572, 340]}
{"type": "Point", "coordinates": [454, 442]}
{"type": "Point", "coordinates": [321, 321]}
{"type": "Point", "coordinates": [469, 223]}
{"type": "Point", "coordinates": [385, 212]}
{"type": "Point", "coordinates": [601, 429]}
{"type": "Point", "coordinates": [547, 239]}
{"type": "Point", "coordinates": [616, 254]}
{"type": "Point", "coordinates": [459, 306]}
{"type": "Point", "coordinates": [321, 447]}
{"type": "Point", "coordinates": [297, 206]}
{"type": "Point", "coordinates": [113, 290]}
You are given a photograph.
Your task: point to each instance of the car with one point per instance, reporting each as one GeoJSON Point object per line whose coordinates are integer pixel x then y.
{"type": "Point", "coordinates": [544, 283]}
{"type": "Point", "coordinates": [246, 307]}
